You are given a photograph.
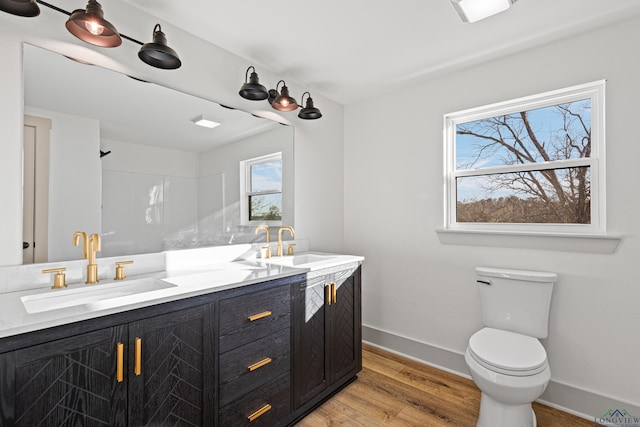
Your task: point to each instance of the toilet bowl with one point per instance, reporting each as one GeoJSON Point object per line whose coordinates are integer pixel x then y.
{"type": "Point", "coordinates": [506, 360]}
{"type": "Point", "coordinates": [512, 371]}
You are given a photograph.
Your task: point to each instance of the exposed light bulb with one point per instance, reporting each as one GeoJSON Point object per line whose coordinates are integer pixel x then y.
{"type": "Point", "coordinates": [94, 28]}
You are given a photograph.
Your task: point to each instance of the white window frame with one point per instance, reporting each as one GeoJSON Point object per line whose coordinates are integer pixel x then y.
{"type": "Point", "coordinates": [595, 91]}
{"type": "Point", "coordinates": [245, 188]}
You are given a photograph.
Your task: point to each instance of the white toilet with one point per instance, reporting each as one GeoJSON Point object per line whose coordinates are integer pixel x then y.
{"type": "Point", "coordinates": [506, 360]}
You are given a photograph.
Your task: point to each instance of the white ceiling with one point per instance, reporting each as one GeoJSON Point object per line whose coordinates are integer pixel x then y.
{"type": "Point", "coordinates": [351, 50]}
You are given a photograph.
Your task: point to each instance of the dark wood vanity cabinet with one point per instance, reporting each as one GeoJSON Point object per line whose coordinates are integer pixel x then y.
{"type": "Point", "coordinates": [327, 339]}
{"type": "Point", "coordinates": [171, 380]}
{"type": "Point", "coordinates": [66, 382]}
{"type": "Point", "coordinates": [258, 355]}
{"type": "Point", "coordinates": [255, 358]}
{"type": "Point", "coordinates": [146, 372]}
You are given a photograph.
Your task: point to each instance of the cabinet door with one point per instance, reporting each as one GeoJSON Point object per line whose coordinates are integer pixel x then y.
{"type": "Point", "coordinates": [171, 380]}
{"type": "Point", "coordinates": [309, 330]}
{"type": "Point", "coordinates": [68, 382]}
{"type": "Point", "coordinates": [345, 331]}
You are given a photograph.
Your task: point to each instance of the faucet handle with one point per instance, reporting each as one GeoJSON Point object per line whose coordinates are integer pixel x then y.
{"type": "Point", "coordinates": [59, 278]}
{"type": "Point", "coordinates": [120, 270]}
{"type": "Point", "coordinates": [290, 248]}
{"type": "Point", "coordinates": [265, 252]}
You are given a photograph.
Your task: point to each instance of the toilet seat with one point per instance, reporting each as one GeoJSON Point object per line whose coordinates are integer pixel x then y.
{"type": "Point", "coordinates": [507, 352]}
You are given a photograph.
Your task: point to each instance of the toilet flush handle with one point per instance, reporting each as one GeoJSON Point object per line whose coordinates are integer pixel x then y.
{"type": "Point", "coordinates": [484, 282]}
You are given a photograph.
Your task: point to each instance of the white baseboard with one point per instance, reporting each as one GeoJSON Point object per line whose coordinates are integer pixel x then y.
{"type": "Point", "coordinates": [574, 400]}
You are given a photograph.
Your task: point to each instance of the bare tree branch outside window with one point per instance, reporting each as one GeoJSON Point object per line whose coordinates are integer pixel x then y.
{"type": "Point", "coordinates": [520, 192]}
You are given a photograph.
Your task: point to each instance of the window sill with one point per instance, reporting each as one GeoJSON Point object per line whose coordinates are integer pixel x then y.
{"type": "Point", "coordinates": [589, 243]}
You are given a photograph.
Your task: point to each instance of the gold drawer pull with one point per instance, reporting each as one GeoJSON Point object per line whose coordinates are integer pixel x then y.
{"type": "Point", "coordinates": [138, 368]}
{"type": "Point", "coordinates": [260, 412]}
{"type": "Point", "coordinates": [120, 362]}
{"type": "Point", "coordinates": [259, 316]}
{"type": "Point", "coordinates": [334, 293]}
{"type": "Point", "coordinates": [259, 364]}
{"type": "Point", "coordinates": [327, 294]}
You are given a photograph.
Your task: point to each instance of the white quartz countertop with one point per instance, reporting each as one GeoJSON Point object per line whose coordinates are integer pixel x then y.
{"type": "Point", "coordinates": [34, 309]}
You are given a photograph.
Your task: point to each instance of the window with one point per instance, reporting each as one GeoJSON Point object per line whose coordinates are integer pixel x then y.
{"type": "Point", "coordinates": [530, 164]}
{"type": "Point", "coordinates": [261, 188]}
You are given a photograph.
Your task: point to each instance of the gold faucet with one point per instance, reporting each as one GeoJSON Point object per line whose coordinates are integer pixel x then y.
{"type": "Point", "coordinates": [92, 267]}
{"type": "Point", "coordinates": [286, 227]}
{"type": "Point", "coordinates": [266, 229]}
{"type": "Point", "coordinates": [85, 243]}
{"type": "Point", "coordinates": [90, 246]}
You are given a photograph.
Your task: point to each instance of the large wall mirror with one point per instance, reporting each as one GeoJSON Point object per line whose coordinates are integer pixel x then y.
{"type": "Point", "coordinates": [125, 160]}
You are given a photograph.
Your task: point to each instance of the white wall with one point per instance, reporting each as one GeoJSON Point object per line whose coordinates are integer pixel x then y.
{"type": "Point", "coordinates": [74, 180]}
{"type": "Point", "coordinates": [207, 71]}
{"type": "Point", "coordinates": [11, 119]}
{"type": "Point", "coordinates": [419, 290]}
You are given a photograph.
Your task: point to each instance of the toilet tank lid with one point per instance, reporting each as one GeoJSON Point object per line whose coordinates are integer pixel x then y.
{"type": "Point", "coordinates": [531, 276]}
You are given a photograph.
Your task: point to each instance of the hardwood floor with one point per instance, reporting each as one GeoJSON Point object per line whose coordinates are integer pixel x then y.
{"type": "Point", "coordinates": [395, 391]}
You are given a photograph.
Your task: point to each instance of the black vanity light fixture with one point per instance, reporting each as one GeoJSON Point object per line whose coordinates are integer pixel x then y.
{"type": "Point", "coordinates": [279, 100]}
{"type": "Point", "coordinates": [282, 101]}
{"type": "Point", "coordinates": [252, 89]}
{"type": "Point", "coordinates": [26, 8]}
{"type": "Point", "coordinates": [157, 53]}
{"type": "Point", "coordinates": [90, 26]}
{"type": "Point", "coordinates": [309, 112]}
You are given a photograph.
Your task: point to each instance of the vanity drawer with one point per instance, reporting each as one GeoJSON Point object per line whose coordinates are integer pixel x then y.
{"type": "Point", "coordinates": [253, 365]}
{"type": "Point", "coordinates": [246, 318]}
{"type": "Point", "coordinates": [267, 405]}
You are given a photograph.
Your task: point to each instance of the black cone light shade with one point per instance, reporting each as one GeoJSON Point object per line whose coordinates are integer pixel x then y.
{"type": "Point", "coordinates": [26, 8]}
{"type": "Point", "coordinates": [309, 112]}
{"type": "Point", "coordinates": [158, 54]}
{"type": "Point", "coordinates": [252, 89]}
{"type": "Point", "coordinates": [90, 26]}
{"type": "Point", "coordinates": [283, 101]}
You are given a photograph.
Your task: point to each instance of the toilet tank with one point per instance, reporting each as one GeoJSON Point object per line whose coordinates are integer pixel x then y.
{"type": "Point", "coordinates": [516, 300]}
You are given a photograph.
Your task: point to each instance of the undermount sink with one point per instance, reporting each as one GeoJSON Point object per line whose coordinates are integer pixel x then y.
{"type": "Point", "coordinates": [214, 278]}
{"type": "Point", "coordinates": [302, 260]}
{"type": "Point", "coordinates": [57, 299]}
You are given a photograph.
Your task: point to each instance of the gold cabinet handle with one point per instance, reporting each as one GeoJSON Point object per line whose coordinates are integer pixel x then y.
{"type": "Point", "coordinates": [327, 294]}
{"type": "Point", "coordinates": [334, 293]}
{"type": "Point", "coordinates": [259, 316]}
{"type": "Point", "coordinates": [260, 412]}
{"type": "Point", "coordinates": [259, 364]}
{"type": "Point", "coordinates": [120, 362]}
{"type": "Point", "coordinates": [138, 368]}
